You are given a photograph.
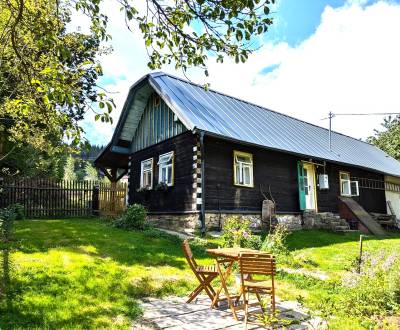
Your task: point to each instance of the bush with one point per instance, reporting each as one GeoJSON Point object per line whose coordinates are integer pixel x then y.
{"type": "Point", "coordinates": [7, 217]}
{"type": "Point", "coordinates": [237, 232]}
{"type": "Point", "coordinates": [275, 241]}
{"type": "Point", "coordinates": [376, 290]}
{"type": "Point", "coordinates": [134, 218]}
{"type": "Point", "coordinates": [19, 211]}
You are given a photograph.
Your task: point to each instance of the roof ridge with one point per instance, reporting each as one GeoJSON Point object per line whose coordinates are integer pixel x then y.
{"type": "Point", "coordinates": [162, 73]}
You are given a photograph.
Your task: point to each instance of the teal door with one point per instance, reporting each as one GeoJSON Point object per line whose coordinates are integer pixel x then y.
{"type": "Point", "coordinates": [300, 179]}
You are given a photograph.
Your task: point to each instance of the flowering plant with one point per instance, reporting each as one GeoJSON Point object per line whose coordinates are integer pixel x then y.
{"type": "Point", "coordinates": [237, 233]}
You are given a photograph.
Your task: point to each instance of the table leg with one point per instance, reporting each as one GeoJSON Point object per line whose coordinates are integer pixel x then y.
{"type": "Point", "coordinates": [224, 287]}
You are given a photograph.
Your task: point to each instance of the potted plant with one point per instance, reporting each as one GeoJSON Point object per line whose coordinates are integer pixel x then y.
{"type": "Point", "coordinates": [162, 186]}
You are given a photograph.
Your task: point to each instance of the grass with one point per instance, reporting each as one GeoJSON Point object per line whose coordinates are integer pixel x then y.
{"type": "Point", "coordinates": [84, 274]}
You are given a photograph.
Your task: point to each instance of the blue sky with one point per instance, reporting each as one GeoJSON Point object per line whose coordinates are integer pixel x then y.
{"type": "Point", "coordinates": [318, 56]}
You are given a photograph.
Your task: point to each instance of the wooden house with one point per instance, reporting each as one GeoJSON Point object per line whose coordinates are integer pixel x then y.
{"type": "Point", "coordinates": [195, 156]}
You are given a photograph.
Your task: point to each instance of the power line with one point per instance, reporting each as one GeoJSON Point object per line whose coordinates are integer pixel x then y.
{"type": "Point", "coordinates": [361, 114]}
{"type": "Point", "coordinates": [331, 115]}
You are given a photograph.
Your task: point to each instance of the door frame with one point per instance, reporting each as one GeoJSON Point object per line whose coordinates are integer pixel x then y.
{"type": "Point", "coordinates": [311, 166]}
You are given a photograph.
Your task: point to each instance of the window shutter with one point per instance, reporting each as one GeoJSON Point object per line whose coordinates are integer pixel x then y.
{"type": "Point", "coordinates": [300, 178]}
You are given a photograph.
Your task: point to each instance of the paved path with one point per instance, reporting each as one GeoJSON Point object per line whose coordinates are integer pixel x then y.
{"type": "Point", "coordinates": [173, 313]}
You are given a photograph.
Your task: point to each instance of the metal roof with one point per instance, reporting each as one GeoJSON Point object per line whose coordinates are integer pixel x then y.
{"type": "Point", "coordinates": [235, 119]}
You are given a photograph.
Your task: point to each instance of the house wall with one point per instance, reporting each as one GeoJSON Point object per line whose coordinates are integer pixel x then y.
{"type": "Point", "coordinates": [372, 200]}
{"type": "Point", "coordinates": [279, 171]}
{"type": "Point", "coordinates": [181, 197]}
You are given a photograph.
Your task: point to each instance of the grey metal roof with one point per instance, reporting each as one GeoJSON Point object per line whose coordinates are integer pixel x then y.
{"type": "Point", "coordinates": [232, 118]}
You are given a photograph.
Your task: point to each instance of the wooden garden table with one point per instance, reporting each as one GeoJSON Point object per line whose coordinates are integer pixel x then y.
{"type": "Point", "coordinates": [227, 256]}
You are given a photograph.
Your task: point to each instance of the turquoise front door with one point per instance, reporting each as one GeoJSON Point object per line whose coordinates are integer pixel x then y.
{"type": "Point", "coordinates": [300, 179]}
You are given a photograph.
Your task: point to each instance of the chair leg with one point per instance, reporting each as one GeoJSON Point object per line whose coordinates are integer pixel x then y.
{"type": "Point", "coordinates": [260, 301]}
{"type": "Point", "coordinates": [246, 308]}
{"type": "Point", "coordinates": [195, 293]}
{"type": "Point", "coordinates": [204, 285]}
{"type": "Point", "coordinates": [273, 303]}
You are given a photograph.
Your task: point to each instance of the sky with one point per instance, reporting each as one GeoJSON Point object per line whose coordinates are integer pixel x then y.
{"type": "Point", "coordinates": [319, 56]}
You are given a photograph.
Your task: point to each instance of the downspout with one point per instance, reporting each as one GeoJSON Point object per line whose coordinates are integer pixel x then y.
{"type": "Point", "coordinates": [203, 199]}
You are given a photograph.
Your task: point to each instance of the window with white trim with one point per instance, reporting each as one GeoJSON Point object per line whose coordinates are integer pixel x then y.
{"type": "Point", "coordinates": [243, 169]}
{"type": "Point", "coordinates": [166, 168]}
{"type": "Point", "coordinates": [146, 174]}
{"type": "Point", "coordinates": [348, 187]}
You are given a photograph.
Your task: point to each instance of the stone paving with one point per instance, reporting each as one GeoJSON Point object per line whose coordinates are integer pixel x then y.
{"type": "Point", "coordinates": [173, 313]}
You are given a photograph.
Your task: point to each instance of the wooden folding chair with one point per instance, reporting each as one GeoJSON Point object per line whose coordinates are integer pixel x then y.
{"type": "Point", "coordinates": [256, 264]}
{"type": "Point", "coordinates": [205, 274]}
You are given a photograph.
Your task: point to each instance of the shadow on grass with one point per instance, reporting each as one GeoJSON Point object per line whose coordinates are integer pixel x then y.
{"type": "Point", "coordinates": [124, 247]}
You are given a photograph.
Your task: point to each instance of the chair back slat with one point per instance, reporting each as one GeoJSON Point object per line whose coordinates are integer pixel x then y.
{"type": "Point", "coordinates": [189, 255]}
{"type": "Point", "coordinates": [257, 264]}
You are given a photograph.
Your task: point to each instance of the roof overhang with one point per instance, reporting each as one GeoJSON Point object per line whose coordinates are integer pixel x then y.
{"type": "Point", "coordinates": [113, 157]}
{"type": "Point", "coordinates": [116, 154]}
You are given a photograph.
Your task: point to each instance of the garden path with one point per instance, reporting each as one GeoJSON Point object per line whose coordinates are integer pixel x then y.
{"type": "Point", "coordinates": [173, 313]}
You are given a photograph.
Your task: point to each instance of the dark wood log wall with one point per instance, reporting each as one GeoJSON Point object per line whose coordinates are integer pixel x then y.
{"type": "Point", "coordinates": [279, 171]}
{"type": "Point", "coordinates": [274, 169]}
{"type": "Point", "coordinates": [372, 200]}
{"type": "Point", "coordinates": [177, 198]}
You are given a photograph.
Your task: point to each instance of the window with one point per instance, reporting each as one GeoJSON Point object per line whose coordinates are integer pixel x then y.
{"type": "Point", "coordinates": [243, 169]}
{"type": "Point", "coordinates": [166, 168]}
{"type": "Point", "coordinates": [354, 188]}
{"type": "Point", "coordinates": [348, 187]}
{"type": "Point", "coordinates": [146, 174]}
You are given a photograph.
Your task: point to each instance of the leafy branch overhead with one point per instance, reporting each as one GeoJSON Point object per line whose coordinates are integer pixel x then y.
{"type": "Point", "coordinates": [48, 74]}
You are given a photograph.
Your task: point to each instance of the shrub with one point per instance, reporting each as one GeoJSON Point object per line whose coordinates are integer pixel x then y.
{"type": "Point", "coordinates": [134, 218]}
{"type": "Point", "coordinates": [253, 242]}
{"type": "Point", "coordinates": [19, 211]}
{"type": "Point", "coordinates": [376, 290]}
{"type": "Point", "coordinates": [7, 217]}
{"type": "Point", "coordinates": [275, 241]}
{"type": "Point", "coordinates": [237, 232]}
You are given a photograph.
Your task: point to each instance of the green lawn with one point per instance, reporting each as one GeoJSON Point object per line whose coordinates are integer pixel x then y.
{"type": "Point", "coordinates": [85, 274]}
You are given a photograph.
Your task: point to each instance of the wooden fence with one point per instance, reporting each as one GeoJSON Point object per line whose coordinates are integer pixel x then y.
{"type": "Point", "coordinates": [48, 198]}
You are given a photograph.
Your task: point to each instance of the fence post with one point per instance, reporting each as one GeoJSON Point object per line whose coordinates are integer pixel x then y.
{"type": "Point", "coordinates": [95, 201]}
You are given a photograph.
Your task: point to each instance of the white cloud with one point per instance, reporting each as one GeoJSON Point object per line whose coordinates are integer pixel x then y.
{"type": "Point", "coordinates": [350, 64]}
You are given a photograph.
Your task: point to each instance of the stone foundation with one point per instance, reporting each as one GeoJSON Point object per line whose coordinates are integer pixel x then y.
{"type": "Point", "coordinates": [178, 222]}
{"type": "Point", "coordinates": [214, 221]}
{"type": "Point", "coordinates": [189, 222]}
{"type": "Point", "coordinates": [292, 222]}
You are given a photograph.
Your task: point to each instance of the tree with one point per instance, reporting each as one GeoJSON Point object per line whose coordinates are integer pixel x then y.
{"type": "Point", "coordinates": [48, 75]}
{"type": "Point", "coordinates": [90, 172]}
{"type": "Point", "coordinates": [69, 169]}
{"type": "Point", "coordinates": [389, 139]}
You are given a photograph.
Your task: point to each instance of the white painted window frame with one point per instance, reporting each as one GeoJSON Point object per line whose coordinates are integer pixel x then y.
{"type": "Point", "coordinates": [168, 163]}
{"type": "Point", "coordinates": [240, 166]}
{"type": "Point", "coordinates": [143, 171]}
{"type": "Point", "coordinates": [349, 182]}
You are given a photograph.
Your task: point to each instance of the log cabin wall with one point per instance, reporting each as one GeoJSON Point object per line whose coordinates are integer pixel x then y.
{"type": "Point", "coordinates": [272, 168]}
{"type": "Point", "coordinates": [372, 200]}
{"type": "Point", "coordinates": [181, 197]}
{"type": "Point", "coordinates": [279, 171]}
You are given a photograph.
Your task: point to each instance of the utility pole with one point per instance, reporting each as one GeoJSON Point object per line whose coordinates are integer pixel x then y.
{"type": "Point", "coordinates": [330, 116]}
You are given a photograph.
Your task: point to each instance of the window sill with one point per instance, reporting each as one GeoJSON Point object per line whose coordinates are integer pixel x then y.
{"type": "Point", "coordinates": [243, 185]}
